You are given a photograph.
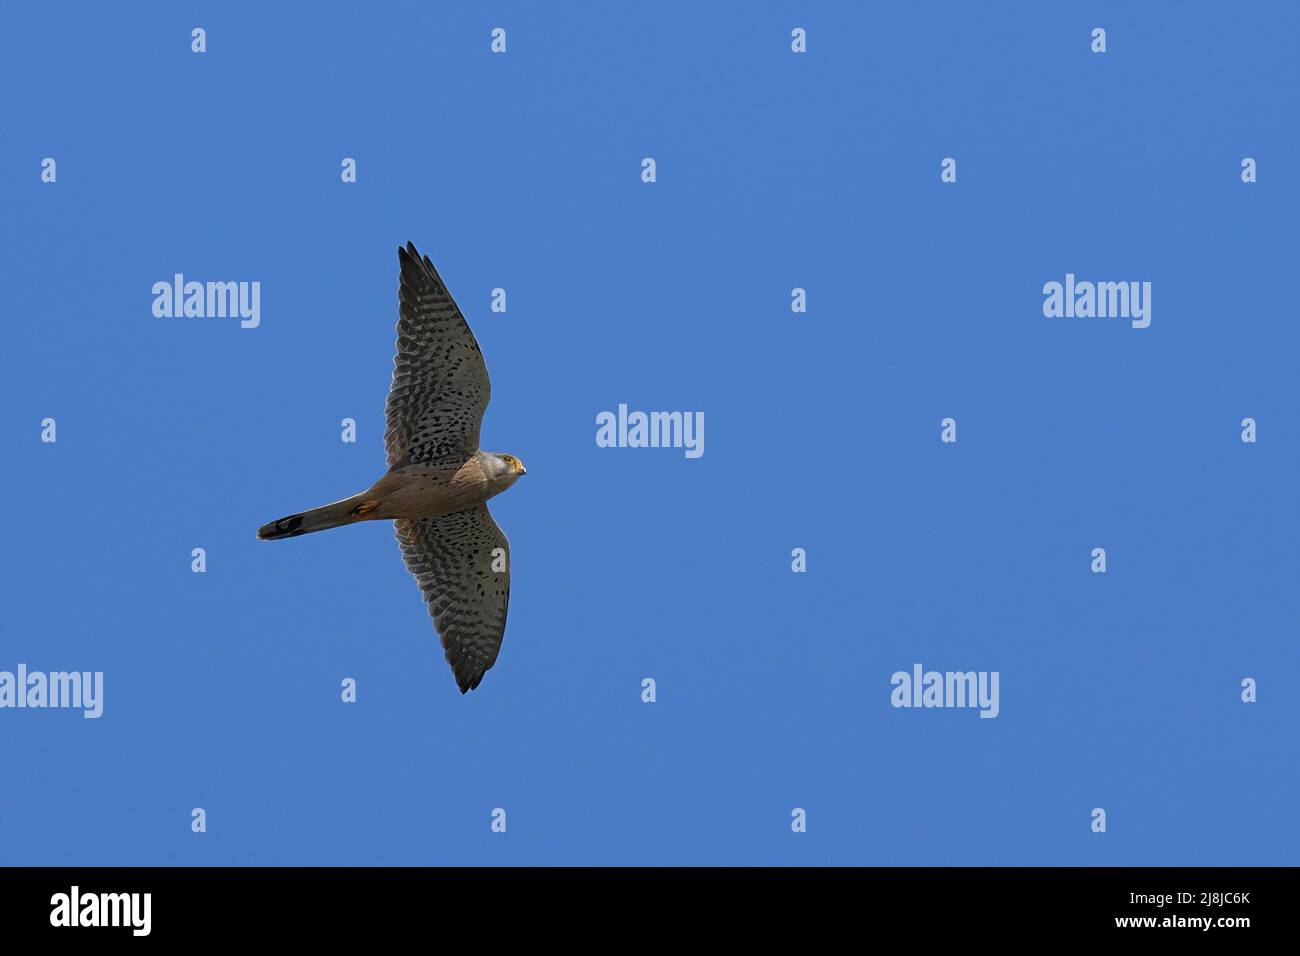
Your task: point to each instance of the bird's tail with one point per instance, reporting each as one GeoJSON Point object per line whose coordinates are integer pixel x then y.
{"type": "Point", "coordinates": [343, 512]}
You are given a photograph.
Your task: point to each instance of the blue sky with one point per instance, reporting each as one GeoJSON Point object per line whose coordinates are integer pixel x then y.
{"type": "Point", "coordinates": [774, 171]}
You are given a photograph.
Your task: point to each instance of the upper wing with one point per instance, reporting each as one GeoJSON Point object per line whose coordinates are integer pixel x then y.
{"type": "Point", "coordinates": [466, 582]}
{"type": "Point", "coordinates": [440, 383]}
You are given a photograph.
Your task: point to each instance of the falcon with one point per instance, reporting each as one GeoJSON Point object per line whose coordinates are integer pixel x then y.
{"type": "Point", "coordinates": [438, 480]}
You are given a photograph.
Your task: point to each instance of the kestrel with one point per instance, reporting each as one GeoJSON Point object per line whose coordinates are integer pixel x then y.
{"type": "Point", "coordinates": [438, 479]}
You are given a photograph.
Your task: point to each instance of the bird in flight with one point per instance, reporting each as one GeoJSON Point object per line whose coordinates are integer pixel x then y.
{"type": "Point", "coordinates": [438, 480]}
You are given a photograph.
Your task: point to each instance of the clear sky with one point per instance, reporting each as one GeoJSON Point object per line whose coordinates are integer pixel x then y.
{"type": "Point", "coordinates": [774, 171]}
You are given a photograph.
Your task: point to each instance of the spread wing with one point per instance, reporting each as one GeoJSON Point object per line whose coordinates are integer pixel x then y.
{"type": "Point", "coordinates": [461, 562]}
{"type": "Point", "coordinates": [440, 383]}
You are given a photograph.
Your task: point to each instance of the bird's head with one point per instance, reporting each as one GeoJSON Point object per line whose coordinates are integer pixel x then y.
{"type": "Point", "coordinates": [508, 468]}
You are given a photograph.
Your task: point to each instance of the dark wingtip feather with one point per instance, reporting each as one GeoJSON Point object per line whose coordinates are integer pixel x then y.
{"type": "Point", "coordinates": [416, 265]}
{"type": "Point", "coordinates": [469, 680]}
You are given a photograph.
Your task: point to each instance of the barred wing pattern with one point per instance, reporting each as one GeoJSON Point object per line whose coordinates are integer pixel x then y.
{"type": "Point", "coordinates": [440, 382]}
{"type": "Point", "coordinates": [452, 560]}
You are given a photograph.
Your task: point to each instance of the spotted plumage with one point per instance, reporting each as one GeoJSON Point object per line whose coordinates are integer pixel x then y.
{"type": "Point", "coordinates": [440, 383]}
{"type": "Point", "coordinates": [461, 563]}
{"type": "Point", "coordinates": [439, 480]}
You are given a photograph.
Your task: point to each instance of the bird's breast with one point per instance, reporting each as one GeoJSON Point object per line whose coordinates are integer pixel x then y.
{"type": "Point", "coordinates": [428, 491]}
